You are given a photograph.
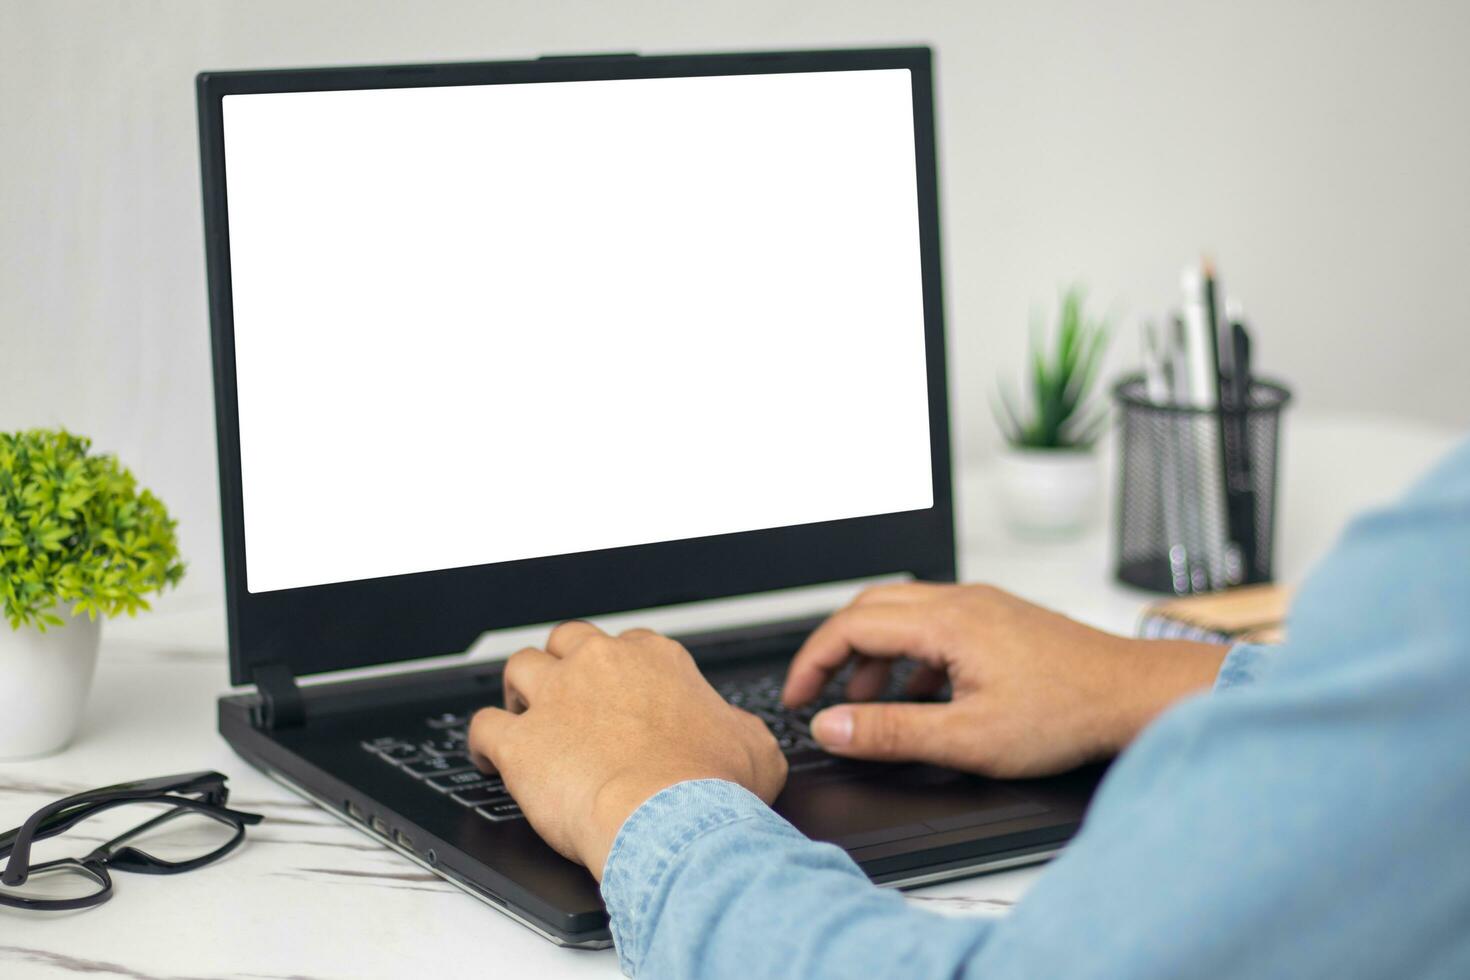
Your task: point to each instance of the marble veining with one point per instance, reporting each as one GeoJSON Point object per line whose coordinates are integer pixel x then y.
{"type": "Point", "coordinates": [77, 964]}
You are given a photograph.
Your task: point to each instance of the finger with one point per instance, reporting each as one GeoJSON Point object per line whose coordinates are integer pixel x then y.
{"type": "Point", "coordinates": [637, 633]}
{"type": "Point", "coordinates": [568, 636]}
{"type": "Point", "coordinates": [869, 678]}
{"type": "Point", "coordinates": [524, 673]}
{"type": "Point", "coordinates": [886, 732]}
{"type": "Point", "coordinates": [878, 630]}
{"type": "Point", "coordinates": [926, 682]}
{"type": "Point", "coordinates": [487, 733]}
{"type": "Point", "coordinates": [902, 592]}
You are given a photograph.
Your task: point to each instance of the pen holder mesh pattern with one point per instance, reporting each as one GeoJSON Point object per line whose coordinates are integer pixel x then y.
{"type": "Point", "coordinates": [1197, 490]}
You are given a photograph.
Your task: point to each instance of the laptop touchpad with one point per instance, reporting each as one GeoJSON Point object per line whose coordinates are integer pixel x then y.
{"type": "Point", "coordinates": [901, 803]}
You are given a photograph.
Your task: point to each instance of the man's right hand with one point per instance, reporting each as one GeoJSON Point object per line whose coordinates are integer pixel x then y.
{"type": "Point", "coordinates": [1034, 692]}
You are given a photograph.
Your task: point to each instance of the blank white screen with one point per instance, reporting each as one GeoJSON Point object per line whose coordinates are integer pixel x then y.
{"type": "Point", "coordinates": [485, 323]}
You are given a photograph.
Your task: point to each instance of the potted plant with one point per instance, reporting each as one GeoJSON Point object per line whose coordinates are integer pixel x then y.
{"type": "Point", "coordinates": [1050, 478]}
{"type": "Point", "coordinates": [79, 541]}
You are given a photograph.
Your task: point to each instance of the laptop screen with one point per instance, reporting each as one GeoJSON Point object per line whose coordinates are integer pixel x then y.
{"type": "Point", "coordinates": [483, 323]}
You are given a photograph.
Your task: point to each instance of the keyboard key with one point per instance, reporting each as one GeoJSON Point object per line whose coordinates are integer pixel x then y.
{"type": "Point", "coordinates": [809, 760]}
{"type": "Point", "coordinates": [482, 794]}
{"type": "Point", "coordinates": [806, 712]}
{"type": "Point", "coordinates": [446, 782]}
{"type": "Point", "coordinates": [448, 719]}
{"type": "Point", "coordinates": [444, 744]}
{"type": "Point", "coordinates": [500, 811]}
{"type": "Point", "coordinates": [436, 765]}
{"type": "Point", "coordinates": [393, 749]}
{"type": "Point", "coordinates": [374, 744]}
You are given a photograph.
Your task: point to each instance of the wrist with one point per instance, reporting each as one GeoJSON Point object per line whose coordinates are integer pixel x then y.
{"type": "Point", "coordinates": [615, 801]}
{"type": "Point", "coordinates": [1162, 672]}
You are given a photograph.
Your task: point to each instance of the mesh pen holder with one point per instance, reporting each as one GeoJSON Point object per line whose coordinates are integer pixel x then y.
{"type": "Point", "coordinates": [1197, 490]}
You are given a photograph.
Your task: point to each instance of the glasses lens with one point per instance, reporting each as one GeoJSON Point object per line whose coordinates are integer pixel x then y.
{"type": "Point", "coordinates": [182, 835]}
{"type": "Point", "coordinates": [62, 883]}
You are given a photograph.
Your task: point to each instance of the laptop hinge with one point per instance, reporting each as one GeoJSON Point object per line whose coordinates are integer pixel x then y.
{"type": "Point", "coordinates": [281, 704]}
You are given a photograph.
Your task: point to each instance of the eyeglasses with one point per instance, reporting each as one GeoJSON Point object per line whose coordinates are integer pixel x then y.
{"type": "Point", "coordinates": [195, 828]}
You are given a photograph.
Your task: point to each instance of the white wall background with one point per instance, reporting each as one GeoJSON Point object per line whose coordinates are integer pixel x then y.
{"type": "Point", "coordinates": [1321, 151]}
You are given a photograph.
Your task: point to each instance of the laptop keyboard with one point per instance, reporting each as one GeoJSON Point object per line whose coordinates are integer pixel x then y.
{"type": "Point", "coordinates": [436, 754]}
{"type": "Point", "coordinates": [761, 696]}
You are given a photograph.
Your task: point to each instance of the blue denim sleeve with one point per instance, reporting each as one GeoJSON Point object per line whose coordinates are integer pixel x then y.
{"type": "Point", "coordinates": [705, 880]}
{"type": "Point", "coordinates": [1242, 666]}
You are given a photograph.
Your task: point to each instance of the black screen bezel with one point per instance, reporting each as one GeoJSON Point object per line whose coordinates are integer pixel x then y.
{"type": "Point", "coordinates": [375, 621]}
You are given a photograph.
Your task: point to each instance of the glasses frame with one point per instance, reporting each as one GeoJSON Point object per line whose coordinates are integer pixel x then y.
{"type": "Point", "coordinates": [197, 792]}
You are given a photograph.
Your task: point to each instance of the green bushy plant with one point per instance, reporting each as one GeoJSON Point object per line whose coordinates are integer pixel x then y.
{"type": "Point", "coordinates": [1058, 415]}
{"type": "Point", "coordinates": [75, 529]}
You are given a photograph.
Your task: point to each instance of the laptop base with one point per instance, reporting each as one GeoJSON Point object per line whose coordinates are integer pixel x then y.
{"type": "Point", "coordinates": [905, 825]}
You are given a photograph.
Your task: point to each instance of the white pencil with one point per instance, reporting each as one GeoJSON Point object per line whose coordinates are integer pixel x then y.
{"type": "Point", "coordinates": [1204, 394]}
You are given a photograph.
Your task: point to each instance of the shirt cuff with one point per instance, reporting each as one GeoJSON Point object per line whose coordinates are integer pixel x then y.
{"type": "Point", "coordinates": [649, 844]}
{"type": "Point", "coordinates": [1243, 666]}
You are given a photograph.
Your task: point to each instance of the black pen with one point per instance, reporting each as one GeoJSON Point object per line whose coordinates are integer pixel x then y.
{"type": "Point", "coordinates": [1225, 404]}
{"type": "Point", "coordinates": [1242, 489]}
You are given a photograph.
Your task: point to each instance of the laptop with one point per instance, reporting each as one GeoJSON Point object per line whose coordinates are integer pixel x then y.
{"type": "Point", "coordinates": [509, 343]}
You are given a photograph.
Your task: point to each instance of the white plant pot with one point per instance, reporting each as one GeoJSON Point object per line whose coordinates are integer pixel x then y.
{"type": "Point", "coordinates": [1049, 492]}
{"type": "Point", "coordinates": [44, 681]}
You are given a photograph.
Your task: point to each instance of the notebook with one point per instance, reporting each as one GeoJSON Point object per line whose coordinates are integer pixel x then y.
{"type": "Point", "coordinates": [1248, 614]}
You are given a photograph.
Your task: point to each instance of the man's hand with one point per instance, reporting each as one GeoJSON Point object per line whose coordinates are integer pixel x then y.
{"type": "Point", "coordinates": [1034, 692]}
{"type": "Point", "coordinates": [599, 724]}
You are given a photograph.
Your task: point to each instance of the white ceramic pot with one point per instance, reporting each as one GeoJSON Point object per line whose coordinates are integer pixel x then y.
{"type": "Point", "coordinates": [44, 681]}
{"type": "Point", "coordinates": [1049, 492]}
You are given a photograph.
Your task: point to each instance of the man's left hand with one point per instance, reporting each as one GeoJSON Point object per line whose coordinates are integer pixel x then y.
{"type": "Point", "coordinates": [598, 724]}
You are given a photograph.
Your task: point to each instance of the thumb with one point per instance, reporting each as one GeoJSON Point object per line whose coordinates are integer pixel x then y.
{"type": "Point", "coordinates": [897, 732]}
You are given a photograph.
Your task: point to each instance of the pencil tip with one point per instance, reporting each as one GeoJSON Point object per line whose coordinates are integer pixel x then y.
{"type": "Point", "coordinates": [1208, 265]}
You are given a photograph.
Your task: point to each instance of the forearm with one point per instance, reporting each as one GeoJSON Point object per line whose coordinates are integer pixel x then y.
{"type": "Point", "coordinates": [705, 881]}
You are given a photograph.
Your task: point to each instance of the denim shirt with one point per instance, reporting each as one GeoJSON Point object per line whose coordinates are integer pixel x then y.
{"type": "Point", "coordinates": [1310, 817]}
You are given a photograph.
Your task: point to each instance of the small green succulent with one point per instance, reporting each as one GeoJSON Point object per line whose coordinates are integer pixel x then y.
{"type": "Point", "coordinates": [76, 530]}
{"type": "Point", "coordinates": [1061, 382]}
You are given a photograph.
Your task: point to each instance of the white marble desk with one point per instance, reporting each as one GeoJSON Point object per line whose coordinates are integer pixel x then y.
{"type": "Point", "coordinates": [308, 897]}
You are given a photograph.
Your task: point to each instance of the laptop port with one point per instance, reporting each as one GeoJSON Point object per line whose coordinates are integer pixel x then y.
{"type": "Point", "coordinates": [355, 812]}
{"type": "Point", "coordinates": [380, 825]}
{"type": "Point", "coordinates": [404, 841]}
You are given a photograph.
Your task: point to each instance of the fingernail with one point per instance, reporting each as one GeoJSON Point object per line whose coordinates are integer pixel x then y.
{"type": "Point", "coordinates": [833, 726]}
